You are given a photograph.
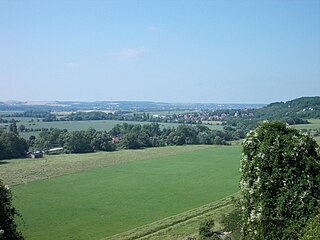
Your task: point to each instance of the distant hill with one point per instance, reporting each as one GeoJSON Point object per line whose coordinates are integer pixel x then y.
{"type": "Point", "coordinates": [303, 108]}
{"type": "Point", "coordinates": [117, 105]}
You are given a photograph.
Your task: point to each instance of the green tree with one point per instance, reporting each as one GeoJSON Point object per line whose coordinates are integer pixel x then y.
{"type": "Point", "coordinates": [31, 141]}
{"type": "Point", "coordinates": [280, 182]}
{"type": "Point", "coordinates": [13, 127]}
{"type": "Point", "coordinates": [22, 128]}
{"type": "Point", "coordinates": [312, 230]}
{"type": "Point", "coordinates": [101, 141]}
{"type": "Point", "coordinates": [8, 228]}
{"type": "Point", "coordinates": [12, 146]}
{"type": "Point", "coordinates": [49, 138]}
{"type": "Point", "coordinates": [219, 140]}
{"type": "Point", "coordinates": [131, 140]}
{"type": "Point", "coordinates": [231, 220]}
{"type": "Point", "coordinates": [77, 142]}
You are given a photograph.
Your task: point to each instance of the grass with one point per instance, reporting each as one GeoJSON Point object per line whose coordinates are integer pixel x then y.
{"type": "Point", "coordinates": [106, 201]}
{"type": "Point", "coordinates": [21, 171]}
{"type": "Point", "coordinates": [311, 128]}
{"type": "Point", "coordinates": [182, 225]}
{"type": "Point", "coordinates": [314, 124]}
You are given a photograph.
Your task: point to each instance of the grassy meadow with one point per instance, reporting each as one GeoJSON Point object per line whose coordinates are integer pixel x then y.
{"type": "Point", "coordinates": [21, 171]}
{"type": "Point", "coordinates": [99, 202]}
{"type": "Point", "coordinates": [313, 126]}
{"type": "Point", "coordinates": [183, 225]}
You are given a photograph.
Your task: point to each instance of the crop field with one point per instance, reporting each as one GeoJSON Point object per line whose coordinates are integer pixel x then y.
{"type": "Point", "coordinates": [96, 203]}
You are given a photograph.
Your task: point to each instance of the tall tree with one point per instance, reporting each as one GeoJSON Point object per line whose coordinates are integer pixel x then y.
{"type": "Point", "coordinates": [12, 146]}
{"type": "Point", "coordinates": [77, 142]}
{"type": "Point", "coordinates": [280, 182]}
{"type": "Point", "coordinates": [13, 127]}
{"type": "Point", "coordinates": [101, 141]}
{"type": "Point", "coordinates": [8, 228]}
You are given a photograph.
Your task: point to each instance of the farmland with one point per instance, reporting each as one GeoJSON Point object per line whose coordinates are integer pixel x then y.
{"type": "Point", "coordinates": [314, 124]}
{"type": "Point", "coordinates": [111, 198]}
{"type": "Point", "coordinates": [81, 125]}
{"type": "Point", "coordinates": [310, 128]}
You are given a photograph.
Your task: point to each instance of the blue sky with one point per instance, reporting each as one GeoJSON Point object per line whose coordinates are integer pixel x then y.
{"type": "Point", "coordinates": [170, 51]}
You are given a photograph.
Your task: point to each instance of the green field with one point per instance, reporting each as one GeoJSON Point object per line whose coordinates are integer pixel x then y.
{"type": "Point", "coordinates": [81, 125]}
{"type": "Point", "coordinates": [181, 226]}
{"type": "Point", "coordinates": [101, 202]}
{"type": "Point", "coordinates": [311, 128]}
{"type": "Point", "coordinates": [314, 124]}
{"type": "Point", "coordinates": [21, 171]}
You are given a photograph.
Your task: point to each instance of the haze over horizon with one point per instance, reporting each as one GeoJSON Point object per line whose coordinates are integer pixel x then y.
{"type": "Point", "coordinates": [40, 102]}
{"type": "Point", "coordinates": [162, 51]}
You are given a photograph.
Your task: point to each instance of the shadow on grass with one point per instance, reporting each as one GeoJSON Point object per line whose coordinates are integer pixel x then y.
{"type": "Point", "coordinates": [3, 162]}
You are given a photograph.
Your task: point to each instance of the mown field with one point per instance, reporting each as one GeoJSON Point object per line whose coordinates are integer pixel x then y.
{"type": "Point", "coordinates": [95, 203]}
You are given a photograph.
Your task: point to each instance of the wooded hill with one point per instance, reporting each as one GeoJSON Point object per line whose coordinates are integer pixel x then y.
{"type": "Point", "coordinates": [304, 107]}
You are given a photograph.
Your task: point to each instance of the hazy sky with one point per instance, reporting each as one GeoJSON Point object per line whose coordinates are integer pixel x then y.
{"type": "Point", "coordinates": [166, 50]}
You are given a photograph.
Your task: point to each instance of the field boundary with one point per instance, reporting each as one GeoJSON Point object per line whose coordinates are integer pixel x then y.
{"type": "Point", "coordinates": [155, 227]}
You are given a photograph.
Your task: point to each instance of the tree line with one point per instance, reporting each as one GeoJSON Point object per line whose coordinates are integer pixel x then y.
{"type": "Point", "coordinates": [121, 136]}
{"type": "Point", "coordinates": [129, 136]}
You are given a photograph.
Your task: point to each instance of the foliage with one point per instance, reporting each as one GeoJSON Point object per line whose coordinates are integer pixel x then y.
{"type": "Point", "coordinates": [50, 138]}
{"type": "Point", "coordinates": [280, 181]}
{"type": "Point", "coordinates": [101, 141]}
{"type": "Point", "coordinates": [129, 136]}
{"type": "Point", "coordinates": [312, 230]}
{"type": "Point", "coordinates": [85, 116]}
{"type": "Point", "coordinates": [78, 142]}
{"type": "Point", "coordinates": [33, 114]}
{"type": "Point", "coordinates": [231, 221]}
{"type": "Point", "coordinates": [8, 228]}
{"type": "Point", "coordinates": [13, 127]}
{"type": "Point", "coordinates": [305, 107]}
{"type": "Point", "coordinates": [75, 141]}
{"type": "Point", "coordinates": [12, 146]}
{"type": "Point", "coordinates": [205, 229]}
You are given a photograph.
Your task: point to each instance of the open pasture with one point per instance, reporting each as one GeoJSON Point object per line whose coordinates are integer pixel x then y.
{"type": "Point", "coordinates": [311, 128]}
{"type": "Point", "coordinates": [21, 171]}
{"type": "Point", "coordinates": [314, 124]}
{"type": "Point", "coordinates": [101, 202]}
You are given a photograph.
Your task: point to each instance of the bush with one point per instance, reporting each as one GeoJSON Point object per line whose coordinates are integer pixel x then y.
{"type": "Point", "coordinates": [205, 229]}
{"type": "Point", "coordinates": [280, 182]}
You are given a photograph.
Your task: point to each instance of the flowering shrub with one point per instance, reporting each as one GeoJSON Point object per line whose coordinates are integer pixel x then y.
{"type": "Point", "coordinates": [280, 182]}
